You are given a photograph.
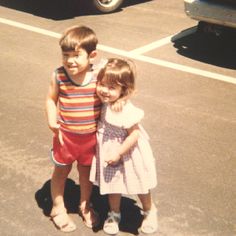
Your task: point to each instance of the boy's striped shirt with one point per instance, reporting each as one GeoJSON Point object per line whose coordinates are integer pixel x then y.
{"type": "Point", "coordinates": [79, 106]}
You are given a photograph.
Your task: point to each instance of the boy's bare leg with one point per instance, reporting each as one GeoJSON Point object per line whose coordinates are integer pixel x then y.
{"type": "Point", "coordinates": [85, 185]}
{"type": "Point", "coordinates": [89, 216]}
{"type": "Point", "coordinates": [58, 180]}
{"type": "Point", "coordinates": [58, 213]}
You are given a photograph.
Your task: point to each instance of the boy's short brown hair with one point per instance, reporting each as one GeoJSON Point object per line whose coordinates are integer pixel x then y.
{"type": "Point", "coordinates": [78, 37]}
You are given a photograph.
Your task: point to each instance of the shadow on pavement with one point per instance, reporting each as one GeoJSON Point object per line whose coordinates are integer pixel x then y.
{"type": "Point", "coordinates": [53, 9]}
{"type": "Point", "coordinates": [131, 216]}
{"type": "Point", "coordinates": [208, 48]}
{"type": "Point", "coordinates": [58, 9]}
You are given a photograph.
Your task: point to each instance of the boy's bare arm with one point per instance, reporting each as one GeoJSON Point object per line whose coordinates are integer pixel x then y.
{"type": "Point", "coordinates": [51, 105]}
{"type": "Point", "coordinates": [117, 106]}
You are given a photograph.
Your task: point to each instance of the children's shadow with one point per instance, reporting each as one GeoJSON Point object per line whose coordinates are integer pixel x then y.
{"type": "Point", "coordinates": [131, 217]}
{"type": "Point", "coordinates": [71, 197]}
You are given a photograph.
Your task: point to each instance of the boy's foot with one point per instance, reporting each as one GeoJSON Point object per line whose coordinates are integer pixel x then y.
{"type": "Point", "coordinates": [63, 222]}
{"type": "Point", "coordinates": [150, 224]}
{"type": "Point", "coordinates": [89, 216]}
{"type": "Point", "coordinates": [111, 225]}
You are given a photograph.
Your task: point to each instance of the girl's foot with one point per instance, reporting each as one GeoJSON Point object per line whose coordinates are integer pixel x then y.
{"type": "Point", "coordinates": [150, 224]}
{"type": "Point", "coordinates": [111, 225]}
{"type": "Point", "coordinates": [62, 221]}
{"type": "Point", "coordinates": [89, 216]}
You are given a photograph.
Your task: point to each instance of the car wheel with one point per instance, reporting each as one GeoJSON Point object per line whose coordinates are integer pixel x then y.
{"type": "Point", "coordinates": [106, 6]}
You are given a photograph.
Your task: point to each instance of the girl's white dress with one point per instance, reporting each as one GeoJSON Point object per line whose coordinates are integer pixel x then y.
{"type": "Point", "coordinates": [136, 172]}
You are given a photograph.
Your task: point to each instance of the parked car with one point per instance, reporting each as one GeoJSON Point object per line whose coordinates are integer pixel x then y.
{"type": "Point", "coordinates": [213, 15]}
{"type": "Point", "coordinates": [105, 6]}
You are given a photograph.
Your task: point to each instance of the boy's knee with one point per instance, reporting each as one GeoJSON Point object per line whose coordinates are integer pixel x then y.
{"type": "Point", "coordinates": [62, 171]}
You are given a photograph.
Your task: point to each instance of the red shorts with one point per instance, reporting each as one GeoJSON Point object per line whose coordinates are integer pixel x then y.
{"type": "Point", "coordinates": [76, 147]}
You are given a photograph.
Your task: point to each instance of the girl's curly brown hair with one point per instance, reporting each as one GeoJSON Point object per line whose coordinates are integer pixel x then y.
{"type": "Point", "coordinates": [119, 72]}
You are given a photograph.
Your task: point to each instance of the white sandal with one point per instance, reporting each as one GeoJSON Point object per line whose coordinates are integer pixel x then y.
{"type": "Point", "coordinates": [111, 225]}
{"type": "Point", "coordinates": [150, 225]}
{"type": "Point", "coordinates": [92, 219]}
{"type": "Point", "coordinates": [63, 222]}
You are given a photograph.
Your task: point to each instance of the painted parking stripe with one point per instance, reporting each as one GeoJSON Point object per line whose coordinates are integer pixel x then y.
{"type": "Point", "coordinates": [29, 28]}
{"type": "Point", "coordinates": [170, 65]}
{"type": "Point", "coordinates": [130, 54]}
{"type": "Point", "coordinates": [164, 41]}
{"type": "Point", "coordinates": [187, 69]}
{"type": "Point", "coordinates": [152, 46]}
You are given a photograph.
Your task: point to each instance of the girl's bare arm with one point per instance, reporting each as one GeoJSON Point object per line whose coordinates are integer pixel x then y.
{"type": "Point", "coordinates": [129, 142]}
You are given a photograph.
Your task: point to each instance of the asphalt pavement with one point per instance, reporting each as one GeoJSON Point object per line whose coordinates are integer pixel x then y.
{"type": "Point", "coordinates": [185, 84]}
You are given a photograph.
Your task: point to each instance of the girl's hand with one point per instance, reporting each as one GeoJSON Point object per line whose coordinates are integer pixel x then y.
{"type": "Point", "coordinates": [113, 159]}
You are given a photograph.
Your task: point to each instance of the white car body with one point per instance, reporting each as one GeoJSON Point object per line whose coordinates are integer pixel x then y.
{"type": "Point", "coordinates": [211, 11]}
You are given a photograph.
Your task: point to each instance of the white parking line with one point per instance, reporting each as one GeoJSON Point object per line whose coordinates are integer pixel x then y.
{"type": "Point", "coordinates": [153, 45]}
{"type": "Point", "coordinates": [163, 42]}
{"type": "Point", "coordinates": [134, 54]}
{"type": "Point", "coordinates": [29, 28]}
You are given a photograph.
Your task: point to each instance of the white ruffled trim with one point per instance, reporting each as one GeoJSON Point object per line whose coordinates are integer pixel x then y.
{"type": "Point", "coordinates": [129, 116]}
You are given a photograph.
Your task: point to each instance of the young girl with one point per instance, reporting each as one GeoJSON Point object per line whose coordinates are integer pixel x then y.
{"type": "Point", "coordinates": [124, 163]}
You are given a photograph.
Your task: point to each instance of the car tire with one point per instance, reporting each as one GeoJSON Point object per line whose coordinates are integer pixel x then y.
{"type": "Point", "coordinates": [105, 6]}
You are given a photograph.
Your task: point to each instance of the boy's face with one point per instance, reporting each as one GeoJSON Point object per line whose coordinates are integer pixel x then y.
{"type": "Point", "coordinates": [75, 62]}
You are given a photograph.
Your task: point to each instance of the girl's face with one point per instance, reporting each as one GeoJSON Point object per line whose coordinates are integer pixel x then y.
{"type": "Point", "coordinates": [75, 62]}
{"type": "Point", "coordinates": [108, 93]}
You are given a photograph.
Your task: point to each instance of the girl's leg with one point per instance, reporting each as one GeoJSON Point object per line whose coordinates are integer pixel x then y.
{"type": "Point", "coordinates": [111, 225]}
{"type": "Point", "coordinates": [114, 202]}
{"type": "Point", "coordinates": [58, 213]}
{"type": "Point", "coordinates": [146, 200]}
{"type": "Point", "coordinates": [89, 216]}
{"type": "Point", "coordinates": [149, 224]}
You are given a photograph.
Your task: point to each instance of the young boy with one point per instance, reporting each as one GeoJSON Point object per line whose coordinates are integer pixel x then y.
{"type": "Point", "coordinates": [73, 109]}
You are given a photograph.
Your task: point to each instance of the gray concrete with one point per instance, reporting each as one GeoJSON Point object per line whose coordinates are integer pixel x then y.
{"type": "Point", "coordinates": [190, 119]}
